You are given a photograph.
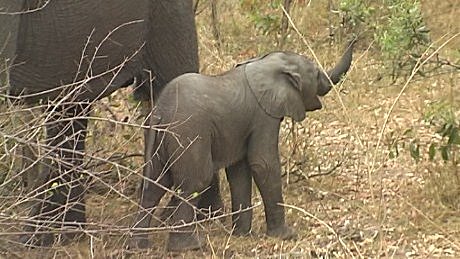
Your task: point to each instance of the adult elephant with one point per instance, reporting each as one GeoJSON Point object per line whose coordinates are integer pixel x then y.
{"type": "Point", "coordinates": [71, 53]}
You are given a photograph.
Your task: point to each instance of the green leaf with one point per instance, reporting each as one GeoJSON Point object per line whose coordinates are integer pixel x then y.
{"type": "Point", "coordinates": [408, 132]}
{"type": "Point", "coordinates": [445, 129]}
{"type": "Point", "coordinates": [444, 152]}
{"type": "Point", "coordinates": [454, 139]}
{"type": "Point", "coordinates": [392, 155]}
{"type": "Point", "coordinates": [414, 151]}
{"type": "Point", "coordinates": [432, 151]}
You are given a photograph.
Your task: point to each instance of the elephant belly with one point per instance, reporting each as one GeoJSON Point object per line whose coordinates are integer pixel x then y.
{"type": "Point", "coordinates": [92, 43]}
{"type": "Point", "coordinates": [226, 153]}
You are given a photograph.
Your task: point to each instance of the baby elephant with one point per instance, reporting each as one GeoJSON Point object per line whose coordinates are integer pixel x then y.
{"type": "Point", "coordinates": [204, 123]}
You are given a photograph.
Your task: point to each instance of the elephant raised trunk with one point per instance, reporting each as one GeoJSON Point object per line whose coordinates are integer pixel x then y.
{"type": "Point", "coordinates": [336, 73]}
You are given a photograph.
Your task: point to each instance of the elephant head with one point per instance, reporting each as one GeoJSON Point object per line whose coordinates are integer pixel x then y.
{"type": "Point", "coordinates": [288, 84]}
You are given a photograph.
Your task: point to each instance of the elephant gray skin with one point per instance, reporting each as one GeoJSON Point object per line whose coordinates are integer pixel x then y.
{"type": "Point", "coordinates": [72, 53]}
{"type": "Point", "coordinates": [203, 123]}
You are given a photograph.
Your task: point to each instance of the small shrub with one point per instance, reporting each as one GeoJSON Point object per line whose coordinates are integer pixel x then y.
{"type": "Point", "coordinates": [404, 37]}
{"type": "Point", "coordinates": [264, 15]}
{"type": "Point", "coordinates": [442, 116]}
{"type": "Point", "coordinates": [396, 26]}
{"type": "Point", "coordinates": [438, 154]}
{"type": "Point", "coordinates": [355, 12]}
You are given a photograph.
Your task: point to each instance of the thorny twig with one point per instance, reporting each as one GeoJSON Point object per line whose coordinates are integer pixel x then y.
{"type": "Point", "coordinates": [111, 159]}
{"type": "Point", "coordinates": [45, 3]}
{"type": "Point", "coordinates": [309, 176]}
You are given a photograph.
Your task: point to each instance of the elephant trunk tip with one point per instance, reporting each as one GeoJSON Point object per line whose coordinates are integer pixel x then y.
{"type": "Point", "coordinates": [336, 73]}
{"type": "Point", "coordinates": [344, 64]}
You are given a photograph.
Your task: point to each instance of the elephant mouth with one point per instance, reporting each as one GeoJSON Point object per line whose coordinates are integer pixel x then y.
{"type": "Point", "coordinates": [313, 104]}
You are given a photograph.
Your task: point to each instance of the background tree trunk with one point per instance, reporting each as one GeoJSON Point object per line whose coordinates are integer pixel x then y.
{"type": "Point", "coordinates": [215, 24]}
{"type": "Point", "coordinates": [284, 23]}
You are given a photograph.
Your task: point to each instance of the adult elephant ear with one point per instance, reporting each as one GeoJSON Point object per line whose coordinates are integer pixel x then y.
{"type": "Point", "coordinates": [276, 83]}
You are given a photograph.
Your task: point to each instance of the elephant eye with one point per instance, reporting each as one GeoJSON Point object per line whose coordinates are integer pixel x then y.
{"type": "Point", "coordinates": [318, 76]}
{"type": "Point", "coordinates": [294, 79]}
{"type": "Point", "coordinates": [318, 79]}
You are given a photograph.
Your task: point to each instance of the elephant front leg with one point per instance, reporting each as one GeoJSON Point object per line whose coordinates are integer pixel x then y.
{"type": "Point", "coordinates": [60, 201]}
{"type": "Point", "coordinates": [267, 175]}
{"type": "Point", "coordinates": [239, 177]}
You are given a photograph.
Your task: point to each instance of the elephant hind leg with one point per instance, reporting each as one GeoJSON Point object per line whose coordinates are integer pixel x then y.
{"type": "Point", "coordinates": [189, 184]}
{"type": "Point", "coordinates": [183, 237]}
{"type": "Point", "coordinates": [151, 192]}
{"type": "Point", "coordinates": [210, 203]}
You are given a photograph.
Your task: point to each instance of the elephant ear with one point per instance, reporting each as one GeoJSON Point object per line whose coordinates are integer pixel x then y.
{"type": "Point", "coordinates": [276, 84]}
{"type": "Point", "coordinates": [251, 60]}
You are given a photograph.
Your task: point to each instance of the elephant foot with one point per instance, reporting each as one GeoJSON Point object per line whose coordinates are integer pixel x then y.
{"type": "Point", "coordinates": [210, 208]}
{"type": "Point", "coordinates": [205, 211]}
{"type": "Point", "coordinates": [180, 242]}
{"type": "Point", "coordinates": [210, 203]}
{"type": "Point", "coordinates": [241, 231]}
{"type": "Point", "coordinates": [284, 232]}
{"type": "Point", "coordinates": [37, 240]}
{"type": "Point", "coordinates": [212, 212]}
{"type": "Point", "coordinates": [48, 239]}
{"type": "Point", "coordinates": [39, 235]}
{"type": "Point", "coordinates": [139, 242]}
{"type": "Point", "coordinates": [242, 223]}
{"type": "Point", "coordinates": [57, 219]}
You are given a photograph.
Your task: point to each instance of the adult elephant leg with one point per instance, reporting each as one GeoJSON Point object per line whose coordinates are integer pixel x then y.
{"type": "Point", "coordinates": [31, 176]}
{"type": "Point", "coordinates": [239, 177]}
{"type": "Point", "coordinates": [60, 203]}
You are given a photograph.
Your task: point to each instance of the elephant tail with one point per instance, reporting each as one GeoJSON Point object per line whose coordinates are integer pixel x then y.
{"type": "Point", "coordinates": [153, 173]}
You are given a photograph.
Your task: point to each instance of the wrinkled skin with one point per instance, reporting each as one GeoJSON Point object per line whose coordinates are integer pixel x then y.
{"type": "Point", "coordinates": [94, 47]}
{"type": "Point", "coordinates": [229, 121]}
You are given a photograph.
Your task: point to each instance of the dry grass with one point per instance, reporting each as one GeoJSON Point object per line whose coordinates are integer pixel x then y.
{"type": "Point", "coordinates": [370, 205]}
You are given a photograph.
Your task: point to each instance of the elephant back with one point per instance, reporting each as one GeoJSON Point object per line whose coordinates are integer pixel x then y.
{"type": "Point", "coordinates": [86, 43]}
